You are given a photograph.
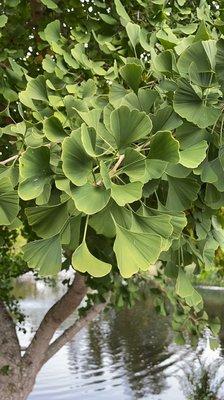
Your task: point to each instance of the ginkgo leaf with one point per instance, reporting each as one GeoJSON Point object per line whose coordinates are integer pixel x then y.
{"type": "Point", "coordinates": [159, 224]}
{"type": "Point", "coordinates": [90, 198]}
{"type": "Point", "coordinates": [45, 255]}
{"type": "Point", "coordinates": [52, 32]}
{"type": "Point", "coordinates": [9, 202]}
{"type": "Point", "coordinates": [165, 119]}
{"type": "Point", "coordinates": [50, 4]}
{"type": "Point", "coordinates": [89, 141]}
{"type": "Point", "coordinates": [128, 193]}
{"type": "Point", "coordinates": [76, 163]}
{"type": "Point", "coordinates": [132, 73]}
{"type": "Point", "coordinates": [164, 146]}
{"type": "Point", "coordinates": [192, 156]}
{"type": "Point", "coordinates": [134, 165]}
{"type": "Point", "coordinates": [103, 222]}
{"type": "Point", "coordinates": [35, 172]}
{"type": "Point", "coordinates": [178, 219]}
{"type": "Point", "coordinates": [185, 290]}
{"type": "Point", "coordinates": [213, 172]}
{"type": "Point", "coordinates": [53, 129]}
{"type": "Point", "coordinates": [133, 31]}
{"type": "Point", "coordinates": [143, 247]}
{"type": "Point", "coordinates": [121, 11]}
{"type": "Point", "coordinates": [202, 53]}
{"type": "Point", "coordinates": [36, 90]}
{"type": "Point", "coordinates": [84, 261]}
{"type": "Point", "coordinates": [188, 104]}
{"type": "Point", "coordinates": [142, 101]}
{"type": "Point", "coordinates": [181, 193]}
{"type": "Point", "coordinates": [47, 221]}
{"type": "Point", "coordinates": [154, 169]}
{"type": "Point", "coordinates": [128, 126]}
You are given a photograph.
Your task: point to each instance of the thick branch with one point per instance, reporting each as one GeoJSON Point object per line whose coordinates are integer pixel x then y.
{"type": "Point", "coordinates": [69, 333]}
{"type": "Point", "coordinates": [57, 314]}
{"type": "Point", "coordinates": [9, 344]}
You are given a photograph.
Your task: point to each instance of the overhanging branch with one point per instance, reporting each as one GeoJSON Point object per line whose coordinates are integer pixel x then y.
{"type": "Point", "coordinates": [70, 332]}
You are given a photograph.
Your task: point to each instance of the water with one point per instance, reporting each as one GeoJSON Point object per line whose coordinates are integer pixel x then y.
{"type": "Point", "coordinates": [126, 355]}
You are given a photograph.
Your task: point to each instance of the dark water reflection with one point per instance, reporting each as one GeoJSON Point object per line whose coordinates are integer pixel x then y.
{"type": "Point", "coordinates": [125, 355]}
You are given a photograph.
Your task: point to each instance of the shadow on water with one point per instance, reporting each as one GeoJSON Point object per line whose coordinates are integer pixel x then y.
{"type": "Point", "coordinates": [127, 355]}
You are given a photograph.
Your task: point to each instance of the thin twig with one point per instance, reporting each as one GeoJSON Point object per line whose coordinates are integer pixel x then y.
{"type": "Point", "coordinates": [12, 158]}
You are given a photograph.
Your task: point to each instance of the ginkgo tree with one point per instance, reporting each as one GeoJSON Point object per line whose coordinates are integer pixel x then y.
{"type": "Point", "coordinates": [113, 138]}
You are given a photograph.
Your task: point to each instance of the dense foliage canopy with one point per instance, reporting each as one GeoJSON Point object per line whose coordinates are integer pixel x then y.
{"type": "Point", "coordinates": [112, 140]}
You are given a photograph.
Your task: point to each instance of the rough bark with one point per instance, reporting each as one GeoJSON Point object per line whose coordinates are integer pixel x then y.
{"type": "Point", "coordinates": [17, 380]}
{"type": "Point", "coordinates": [10, 355]}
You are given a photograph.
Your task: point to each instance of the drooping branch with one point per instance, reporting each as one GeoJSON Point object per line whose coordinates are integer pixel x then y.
{"type": "Point", "coordinates": [58, 313]}
{"type": "Point", "coordinates": [69, 333]}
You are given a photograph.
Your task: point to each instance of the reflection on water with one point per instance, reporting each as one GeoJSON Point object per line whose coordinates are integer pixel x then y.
{"type": "Point", "coordinates": [125, 355]}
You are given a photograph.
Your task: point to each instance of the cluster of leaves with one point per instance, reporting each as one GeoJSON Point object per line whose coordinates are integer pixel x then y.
{"type": "Point", "coordinates": [116, 141]}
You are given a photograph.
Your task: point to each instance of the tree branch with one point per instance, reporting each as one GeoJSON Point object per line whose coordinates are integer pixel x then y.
{"type": "Point", "coordinates": [69, 333]}
{"type": "Point", "coordinates": [117, 165]}
{"type": "Point", "coordinates": [58, 313]}
{"type": "Point", "coordinates": [9, 159]}
{"type": "Point", "coordinates": [9, 344]}
{"type": "Point", "coordinates": [114, 169]}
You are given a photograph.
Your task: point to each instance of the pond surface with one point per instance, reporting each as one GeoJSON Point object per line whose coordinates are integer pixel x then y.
{"type": "Point", "coordinates": [126, 355]}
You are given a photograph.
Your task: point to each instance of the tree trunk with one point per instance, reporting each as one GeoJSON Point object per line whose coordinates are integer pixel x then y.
{"type": "Point", "coordinates": [17, 373]}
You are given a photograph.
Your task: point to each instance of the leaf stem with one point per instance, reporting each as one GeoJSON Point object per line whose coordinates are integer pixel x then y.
{"type": "Point", "coordinates": [85, 229]}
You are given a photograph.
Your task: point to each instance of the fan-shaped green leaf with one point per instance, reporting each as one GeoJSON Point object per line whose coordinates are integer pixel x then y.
{"type": "Point", "coordinates": [47, 221]}
{"type": "Point", "coordinates": [154, 169]}
{"type": "Point", "coordinates": [103, 221]}
{"type": "Point", "coordinates": [189, 105]}
{"type": "Point", "coordinates": [133, 31]}
{"type": "Point", "coordinates": [134, 165]}
{"type": "Point", "coordinates": [159, 224]}
{"type": "Point", "coordinates": [142, 101]}
{"type": "Point", "coordinates": [178, 219]}
{"type": "Point", "coordinates": [128, 126]}
{"type": "Point", "coordinates": [128, 193]}
{"type": "Point", "coordinates": [84, 261]}
{"type": "Point", "coordinates": [201, 53]}
{"type": "Point", "coordinates": [35, 90]}
{"type": "Point", "coordinates": [9, 202]}
{"type": "Point", "coordinates": [53, 129]}
{"type": "Point", "coordinates": [143, 247]}
{"type": "Point", "coordinates": [181, 193]}
{"type": "Point", "coordinates": [164, 146]}
{"type": "Point", "coordinates": [76, 163]}
{"type": "Point", "coordinates": [121, 11]}
{"type": "Point", "coordinates": [89, 198]}
{"type": "Point", "coordinates": [192, 156]}
{"type": "Point", "coordinates": [89, 141]}
{"type": "Point", "coordinates": [165, 120]}
{"type": "Point", "coordinates": [45, 255]}
{"type": "Point", "coordinates": [185, 290]}
{"type": "Point", "coordinates": [52, 32]}
{"type": "Point", "coordinates": [132, 73]}
{"type": "Point", "coordinates": [35, 172]}
{"type": "Point", "coordinates": [213, 172]}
